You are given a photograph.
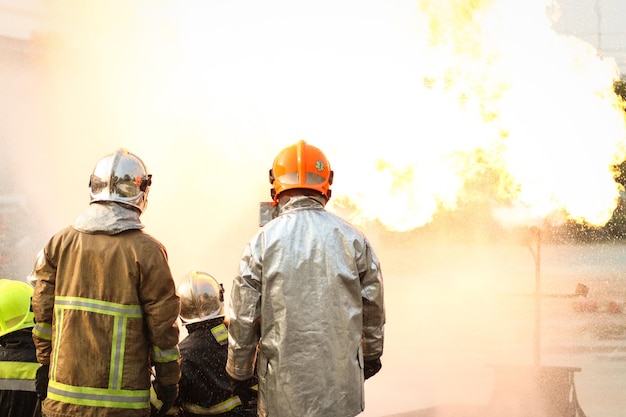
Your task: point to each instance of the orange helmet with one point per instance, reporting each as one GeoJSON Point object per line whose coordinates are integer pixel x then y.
{"type": "Point", "coordinates": [301, 166]}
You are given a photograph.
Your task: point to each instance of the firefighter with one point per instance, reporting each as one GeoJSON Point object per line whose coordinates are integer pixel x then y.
{"type": "Point", "coordinates": [105, 304]}
{"type": "Point", "coordinates": [310, 289]}
{"type": "Point", "coordinates": [18, 362]}
{"type": "Point", "coordinates": [204, 384]}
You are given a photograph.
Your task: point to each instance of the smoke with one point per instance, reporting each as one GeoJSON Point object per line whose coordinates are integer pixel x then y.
{"type": "Point", "coordinates": [422, 107]}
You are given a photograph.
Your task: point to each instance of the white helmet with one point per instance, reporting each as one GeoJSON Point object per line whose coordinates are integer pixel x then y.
{"type": "Point", "coordinates": [201, 297]}
{"type": "Point", "coordinates": [121, 177]}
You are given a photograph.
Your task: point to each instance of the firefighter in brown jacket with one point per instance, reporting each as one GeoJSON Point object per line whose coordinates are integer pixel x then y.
{"type": "Point", "coordinates": [105, 304]}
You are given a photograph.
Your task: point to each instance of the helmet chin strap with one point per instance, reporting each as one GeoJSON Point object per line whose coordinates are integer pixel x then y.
{"type": "Point", "coordinates": [146, 182]}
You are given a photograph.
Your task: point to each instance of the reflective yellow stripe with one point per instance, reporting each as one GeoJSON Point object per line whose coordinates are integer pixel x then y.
{"type": "Point", "coordinates": [98, 306]}
{"type": "Point", "coordinates": [158, 403]}
{"type": "Point", "coordinates": [220, 408]}
{"type": "Point", "coordinates": [18, 376]}
{"type": "Point", "coordinates": [43, 331]}
{"type": "Point", "coordinates": [113, 395]}
{"type": "Point", "coordinates": [18, 370]}
{"type": "Point", "coordinates": [58, 316]}
{"type": "Point", "coordinates": [220, 333]}
{"type": "Point", "coordinates": [117, 352]}
{"type": "Point", "coordinates": [98, 397]}
{"type": "Point", "coordinates": [165, 355]}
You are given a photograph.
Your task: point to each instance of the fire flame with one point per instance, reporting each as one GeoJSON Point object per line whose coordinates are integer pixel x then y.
{"type": "Point", "coordinates": [531, 112]}
{"type": "Point", "coordinates": [420, 106]}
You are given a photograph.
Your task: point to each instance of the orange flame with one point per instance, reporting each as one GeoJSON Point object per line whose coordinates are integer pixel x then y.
{"type": "Point", "coordinates": [419, 106]}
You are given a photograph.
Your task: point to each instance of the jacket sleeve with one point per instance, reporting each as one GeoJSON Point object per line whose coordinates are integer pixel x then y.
{"type": "Point", "coordinates": [372, 293]}
{"type": "Point", "coordinates": [245, 315]}
{"type": "Point", "coordinates": [161, 307]}
{"type": "Point", "coordinates": [43, 305]}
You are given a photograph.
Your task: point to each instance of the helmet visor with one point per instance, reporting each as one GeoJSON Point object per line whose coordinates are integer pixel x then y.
{"type": "Point", "coordinates": [293, 178]}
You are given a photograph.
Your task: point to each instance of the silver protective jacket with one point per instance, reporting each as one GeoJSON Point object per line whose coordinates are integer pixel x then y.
{"type": "Point", "coordinates": [310, 290]}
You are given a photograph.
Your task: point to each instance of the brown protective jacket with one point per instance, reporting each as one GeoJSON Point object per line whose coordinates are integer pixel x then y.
{"type": "Point", "coordinates": [106, 311]}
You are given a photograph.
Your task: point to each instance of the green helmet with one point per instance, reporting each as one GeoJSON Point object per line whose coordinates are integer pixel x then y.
{"type": "Point", "coordinates": [15, 311]}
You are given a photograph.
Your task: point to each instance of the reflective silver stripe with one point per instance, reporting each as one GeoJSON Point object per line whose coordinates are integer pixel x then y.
{"type": "Point", "coordinates": [117, 353]}
{"type": "Point", "coordinates": [220, 408]}
{"type": "Point", "coordinates": [17, 385]}
{"type": "Point", "coordinates": [58, 316]}
{"type": "Point", "coordinates": [96, 306]}
{"type": "Point", "coordinates": [18, 376]}
{"type": "Point", "coordinates": [43, 331]}
{"type": "Point", "coordinates": [165, 355]}
{"type": "Point", "coordinates": [120, 313]}
{"type": "Point", "coordinates": [98, 397]}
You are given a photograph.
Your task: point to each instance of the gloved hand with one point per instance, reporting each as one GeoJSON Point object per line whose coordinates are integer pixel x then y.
{"type": "Point", "coordinates": [243, 389]}
{"type": "Point", "coordinates": [371, 368]}
{"type": "Point", "coordinates": [167, 394]}
{"type": "Point", "coordinates": [41, 382]}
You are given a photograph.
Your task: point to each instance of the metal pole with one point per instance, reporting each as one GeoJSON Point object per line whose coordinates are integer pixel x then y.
{"type": "Point", "coordinates": [536, 252]}
{"type": "Point", "coordinates": [599, 23]}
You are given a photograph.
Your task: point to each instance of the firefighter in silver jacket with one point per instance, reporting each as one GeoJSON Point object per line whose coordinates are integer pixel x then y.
{"type": "Point", "coordinates": [309, 298]}
{"type": "Point", "coordinates": [105, 304]}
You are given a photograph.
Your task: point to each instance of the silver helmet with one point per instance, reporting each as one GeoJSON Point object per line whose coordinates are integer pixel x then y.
{"type": "Point", "coordinates": [201, 297]}
{"type": "Point", "coordinates": [121, 177]}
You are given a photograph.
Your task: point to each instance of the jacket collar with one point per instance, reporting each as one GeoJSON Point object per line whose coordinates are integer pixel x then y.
{"type": "Point", "coordinates": [107, 218]}
{"type": "Point", "coordinates": [300, 202]}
